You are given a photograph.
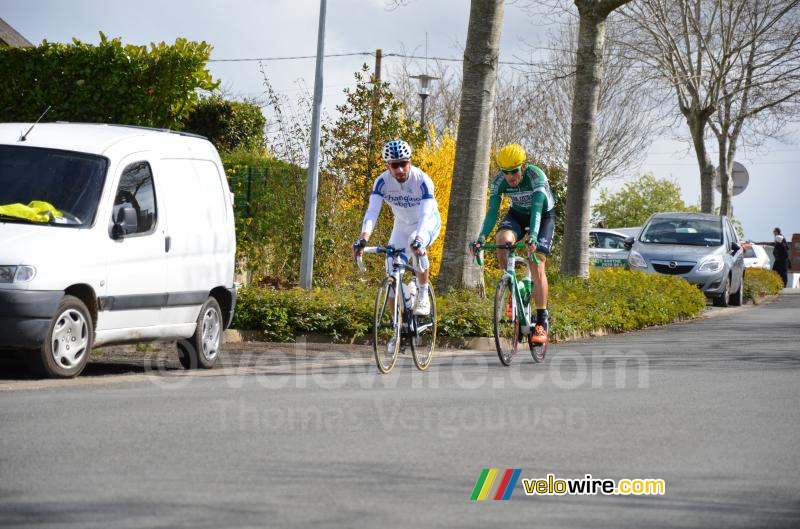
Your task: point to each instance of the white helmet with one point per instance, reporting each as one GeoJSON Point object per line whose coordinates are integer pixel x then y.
{"type": "Point", "coordinates": [396, 150]}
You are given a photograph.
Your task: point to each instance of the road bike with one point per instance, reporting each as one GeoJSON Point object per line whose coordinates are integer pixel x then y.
{"type": "Point", "coordinates": [395, 325]}
{"type": "Point", "coordinates": [512, 310]}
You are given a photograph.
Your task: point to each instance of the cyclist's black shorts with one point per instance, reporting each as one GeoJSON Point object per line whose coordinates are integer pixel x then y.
{"type": "Point", "coordinates": [517, 222]}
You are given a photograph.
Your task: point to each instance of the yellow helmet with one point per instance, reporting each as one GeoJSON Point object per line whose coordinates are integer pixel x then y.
{"type": "Point", "coordinates": [511, 156]}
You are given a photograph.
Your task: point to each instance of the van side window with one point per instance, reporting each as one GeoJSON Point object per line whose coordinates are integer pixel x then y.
{"type": "Point", "coordinates": [136, 190]}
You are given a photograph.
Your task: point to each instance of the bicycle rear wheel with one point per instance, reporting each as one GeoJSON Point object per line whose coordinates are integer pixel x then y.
{"type": "Point", "coordinates": [539, 351]}
{"type": "Point", "coordinates": [423, 335]}
{"type": "Point", "coordinates": [387, 326]}
{"type": "Point", "coordinates": [506, 327]}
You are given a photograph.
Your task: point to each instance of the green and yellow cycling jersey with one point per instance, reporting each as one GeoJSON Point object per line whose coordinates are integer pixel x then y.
{"type": "Point", "coordinates": [532, 196]}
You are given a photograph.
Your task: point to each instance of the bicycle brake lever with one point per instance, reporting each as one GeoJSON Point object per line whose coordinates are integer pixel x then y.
{"type": "Point", "coordinates": [360, 263]}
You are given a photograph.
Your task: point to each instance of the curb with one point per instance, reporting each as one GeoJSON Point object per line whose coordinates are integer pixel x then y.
{"type": "Point", "coordinates": [472, 342]}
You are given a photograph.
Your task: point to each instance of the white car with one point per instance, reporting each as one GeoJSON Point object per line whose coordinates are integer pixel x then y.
{"type": "Point", "coordinates": [755, 256]}
{"type": "Point", "coordinates": [607, 248]}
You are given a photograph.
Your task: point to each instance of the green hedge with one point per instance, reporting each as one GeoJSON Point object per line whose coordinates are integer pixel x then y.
{"type": "Point", "coordinates": [105, 83]}
{"type": "Point", "coordinates": [229, 125]}
{"type": "Point", "coordinates": [759, 283]}
{"type": "Point", "coordinates": [614, 300]}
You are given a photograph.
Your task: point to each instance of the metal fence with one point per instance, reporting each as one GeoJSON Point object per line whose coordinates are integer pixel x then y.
{"type": "Point", "coordinates": [256, 187]}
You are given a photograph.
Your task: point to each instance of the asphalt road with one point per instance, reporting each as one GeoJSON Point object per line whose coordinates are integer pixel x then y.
{"type": "Point", "coordinates": [299, 438]}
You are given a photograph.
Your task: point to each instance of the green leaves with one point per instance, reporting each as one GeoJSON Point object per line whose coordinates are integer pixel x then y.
{"type": "Point", "coordinates": [229, 125]}
{"type": "Point", "coordinates": [637, 201]}
{"type": "Point", "coordinates": [106, 83]}
{"type": "Point", "coordinates": [759, 282]}
{"type": "Point", "coordinates": [612, 300]}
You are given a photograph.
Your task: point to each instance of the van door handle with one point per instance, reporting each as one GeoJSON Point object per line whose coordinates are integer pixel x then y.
{"type": "Point", "coordinates": [167, 243]}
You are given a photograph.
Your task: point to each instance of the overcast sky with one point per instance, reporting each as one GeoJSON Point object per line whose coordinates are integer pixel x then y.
{"type": "Point", "coordinates": [242, 29]}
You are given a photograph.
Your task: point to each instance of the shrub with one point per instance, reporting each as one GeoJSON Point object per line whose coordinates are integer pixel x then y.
{"type": "Point", "coordinates": [229, 125]}
{"type": "Point", "coordinates": [759, 283]}
{"type": "Point", "coordinates": [614, 300]}
{"type": "Point", "coordinates": [283, 314]}
{"type": "Point", "coordinates": [106, 83]}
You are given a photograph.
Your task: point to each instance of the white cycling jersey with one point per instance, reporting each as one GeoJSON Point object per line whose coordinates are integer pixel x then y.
{"type": "Point", "coordinates": [412, 203]}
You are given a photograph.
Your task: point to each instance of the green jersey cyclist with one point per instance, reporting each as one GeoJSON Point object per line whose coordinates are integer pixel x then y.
{"type": "Point", "coordinates": [532, 206]}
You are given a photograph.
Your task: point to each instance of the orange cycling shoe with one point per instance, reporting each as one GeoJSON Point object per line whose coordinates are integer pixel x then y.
{"type": "Point", "coordinates": [510, 308]}
{"type": "Point", "coordinates": [539, 335]}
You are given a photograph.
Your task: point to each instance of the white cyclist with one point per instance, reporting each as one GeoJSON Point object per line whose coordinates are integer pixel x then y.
{"type": "Point", "coordinates": [409, 193]}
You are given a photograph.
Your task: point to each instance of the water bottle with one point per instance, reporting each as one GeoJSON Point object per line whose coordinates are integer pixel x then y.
{"type": "Point", "coordinates": [521, 287]}
{"type": "Point", "coordinates": [410, 293]}
{"type": "Point", "coordinates": [526, 289]}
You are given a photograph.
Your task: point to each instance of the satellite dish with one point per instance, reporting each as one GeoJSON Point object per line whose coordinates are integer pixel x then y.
{"type": "Point", "coordinates": [740, 179]}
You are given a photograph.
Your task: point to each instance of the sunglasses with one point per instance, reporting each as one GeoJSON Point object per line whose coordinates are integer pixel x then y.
{"type": "Point", "coordinates": [511, 171]}
{"type": "Point", "coordinates": [398, 165]}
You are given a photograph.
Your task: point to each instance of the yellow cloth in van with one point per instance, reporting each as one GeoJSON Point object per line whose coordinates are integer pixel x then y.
{"type": "Point", "coordinates": [36, 210]}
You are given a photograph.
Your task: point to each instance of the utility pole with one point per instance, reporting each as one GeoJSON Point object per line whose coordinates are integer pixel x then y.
{"type": "Point", "coordinates": [310, 218]}
{"type": "Point", "coordinates": [371, 134]}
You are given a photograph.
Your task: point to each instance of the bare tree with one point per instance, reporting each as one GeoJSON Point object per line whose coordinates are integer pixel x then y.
{"type": "Point", "coordinates": [762, 88]}
{"type": "Point", "coordinates": [626, 117]}
{"type": "Point", "coordinates": [728, 61]}
{"type": "Point", "coordinates": [442, 106]}
{"type": "Point", "coordinates": [588, 76]}
{"type": "Point", "coordinates": [672, 38]}
{"type": "Point", "coordinates": [468, 193]}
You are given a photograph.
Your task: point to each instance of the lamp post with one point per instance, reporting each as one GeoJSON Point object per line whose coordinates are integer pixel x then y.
{"type": "Point", "coordinates": [424, 91]}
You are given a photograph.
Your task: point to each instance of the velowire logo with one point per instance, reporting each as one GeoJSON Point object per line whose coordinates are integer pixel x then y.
{"type": "Point", "coordinates": [495, 484]}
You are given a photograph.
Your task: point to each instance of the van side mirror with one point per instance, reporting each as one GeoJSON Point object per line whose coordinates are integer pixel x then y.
{"type": "Point", "coordinates": [628, 243]}
{"type": "Point", "coordinates": [125, 223]}
{"type": "Point", "coordinates": [735, 247]}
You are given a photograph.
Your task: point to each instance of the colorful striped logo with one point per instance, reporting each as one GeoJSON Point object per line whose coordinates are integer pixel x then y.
{"type": "Point", "coordinates": [496, 484]}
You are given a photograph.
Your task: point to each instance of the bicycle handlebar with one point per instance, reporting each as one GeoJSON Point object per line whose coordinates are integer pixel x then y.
{"type": "Point", "coordinates": [517, 246]}
{"type": "Point", "coordinates": [388, 250]}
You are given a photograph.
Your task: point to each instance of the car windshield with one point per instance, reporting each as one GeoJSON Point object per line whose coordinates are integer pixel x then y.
{"type": "Point", "coordinates": [749, 251]}
{"type": "Point", "coordinates": [692, 232]}
{"type": "Point", "coordinates": [49, 187]}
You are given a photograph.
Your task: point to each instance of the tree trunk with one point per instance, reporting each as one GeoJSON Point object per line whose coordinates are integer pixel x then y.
{"type": "Point", "coordinates": [591, 40]}
{"type": "Point", "coordinates": [471, 168]}
{"type": "Point", "coordinates": [725, 170]}
{"type": "Point", "coordinates": [697, 125]}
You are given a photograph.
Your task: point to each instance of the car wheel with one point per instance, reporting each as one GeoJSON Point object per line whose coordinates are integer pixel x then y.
{"type": "Point", "coordinates": [68, 342]}
{"type": "Point", "coordinates": [723, 299]}
{"type": "Point", "coordinates": [202, 349]}
{"type": "Point", "coordinates": [737, 298]}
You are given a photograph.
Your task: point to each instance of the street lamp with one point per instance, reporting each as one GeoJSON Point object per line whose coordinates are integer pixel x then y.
{"type": "Point", "coordinates": [424, 90]}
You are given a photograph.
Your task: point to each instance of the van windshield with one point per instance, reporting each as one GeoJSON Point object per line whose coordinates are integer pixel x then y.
{"type": "Point", "coordinates": [49, 187]}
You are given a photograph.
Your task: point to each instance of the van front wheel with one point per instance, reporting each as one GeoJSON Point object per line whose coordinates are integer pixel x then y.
{"type": "Point", "coordinates": [202, 349]}
{"type": "Point", "coordinates": [68, 343]}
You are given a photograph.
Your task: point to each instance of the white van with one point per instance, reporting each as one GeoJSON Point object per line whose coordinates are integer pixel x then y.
{"type": "Point", "coordinates": [112, 234]}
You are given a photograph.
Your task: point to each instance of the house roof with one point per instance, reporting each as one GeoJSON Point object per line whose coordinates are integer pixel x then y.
{"type": "Point", "coordinates": [11, 37]}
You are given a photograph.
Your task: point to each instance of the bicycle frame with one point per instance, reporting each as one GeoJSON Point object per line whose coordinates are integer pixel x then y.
{"type": "Point", "coordinates": [398, 269]}
{"type": "Point", "coordinates": [511, 273]}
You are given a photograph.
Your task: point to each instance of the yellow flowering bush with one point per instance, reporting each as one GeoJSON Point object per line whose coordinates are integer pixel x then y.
{"type": "Point", "coordinates": [437, 160]}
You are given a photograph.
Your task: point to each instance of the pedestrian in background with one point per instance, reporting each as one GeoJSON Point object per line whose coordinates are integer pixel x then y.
{"type": "Point", "coordinates": [780, 256]}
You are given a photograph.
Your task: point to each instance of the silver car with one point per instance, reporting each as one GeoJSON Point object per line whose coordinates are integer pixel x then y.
{"type": "Point", "coordinates": [700, 247]}
{"type": "Point", "coordinates": [607, 248]}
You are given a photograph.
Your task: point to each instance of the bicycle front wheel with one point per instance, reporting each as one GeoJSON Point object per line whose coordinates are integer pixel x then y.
{"type": "Point", "coordinates": [506, 322]}
{"type": "Point", "coordinates": [423, 335]}
{"type": "Point", "coordinates": [387, 326]}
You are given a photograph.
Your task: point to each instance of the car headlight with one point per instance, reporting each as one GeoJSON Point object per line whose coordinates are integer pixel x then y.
{"type": "Point", "coordinates": [635, 260]}
{"type": "Point", "coordinates": [16, 274]}
{"type": "Point", "coordinates": [712, 263]}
